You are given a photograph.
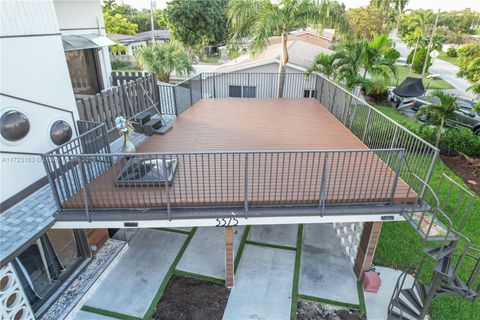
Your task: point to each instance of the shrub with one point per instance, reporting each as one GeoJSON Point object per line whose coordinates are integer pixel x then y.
{"type": "Point", "coordinates": [117, 64]}
{"type": "Point", "coordinates": [452, 53]}
{"type": "Point", "coordinates": [378, 89]}
{"type": "Point", "coordinates": [417, 64]}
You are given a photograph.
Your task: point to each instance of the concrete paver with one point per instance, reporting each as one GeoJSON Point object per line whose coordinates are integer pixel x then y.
{"type": "Point", "coordinates": [263, 285]}
{"type": "Point", "coordinates": [84, 315]}
{"type": "Point", "coordinates": [325, 269]}
{"type": "Point", "coordinates": [132, 284]}
{"type": "Point", "coordinates": [205, 253]}
{"type": "Point", "coordinates": [282, 234]}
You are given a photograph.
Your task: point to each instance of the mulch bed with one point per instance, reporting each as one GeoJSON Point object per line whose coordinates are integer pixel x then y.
{"type": "Point", "coordinates": [464, 170]}
{"type": "Point", "coordinates": [188, 298]}
{"type": "Point", "coordinates": [308, 310]}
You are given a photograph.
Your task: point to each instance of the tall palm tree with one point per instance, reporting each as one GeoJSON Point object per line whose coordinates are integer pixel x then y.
{"type": "Point", "coordinates": [421, 22]}
{"type": "Point", "coordinates": [438, 114]}
{"type": "Point", "coordinates": [260, 19]}
{"type": "Point", "coordinates": [109, 5]}
{"type": "Point", "coordinates": [163, 59]}
{"type": "Point", "coordinates": [351, 55]}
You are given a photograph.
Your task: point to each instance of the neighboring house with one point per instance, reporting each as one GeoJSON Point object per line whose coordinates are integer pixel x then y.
{"type": "Point", "coordinates": [53, 52]}
{"type": "Point", "coordinates": [302, 50]}
{"type": "Point", "coordinates": [132, 42]}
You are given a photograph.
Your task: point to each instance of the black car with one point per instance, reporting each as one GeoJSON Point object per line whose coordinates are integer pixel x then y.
{"type": "Point", "coordinates": [466, 116]}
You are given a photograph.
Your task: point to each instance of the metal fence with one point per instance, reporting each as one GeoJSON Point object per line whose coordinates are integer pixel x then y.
{"type": "Point", "coordinates": [372, 127]}
{"type": "Point", "coordinates": [84, 175]}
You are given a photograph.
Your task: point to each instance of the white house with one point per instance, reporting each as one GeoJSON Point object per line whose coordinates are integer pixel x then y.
{"type": "Point", "coordinates": [52, 52]}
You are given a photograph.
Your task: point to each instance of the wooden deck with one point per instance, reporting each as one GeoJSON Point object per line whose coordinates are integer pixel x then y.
{"type": "Point", "coordinates": [239, 125]}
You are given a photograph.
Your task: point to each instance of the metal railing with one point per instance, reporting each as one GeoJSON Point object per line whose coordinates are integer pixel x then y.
{"type": "Point", "coordinates": [373, 128]}
{"type": "Point", "coordinates": [84, 175]}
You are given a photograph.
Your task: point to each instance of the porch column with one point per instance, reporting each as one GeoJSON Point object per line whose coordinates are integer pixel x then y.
{"type": "Point", "coordinates": [366, 249]}
{"type": "Point", "coordinates": [229, 263]}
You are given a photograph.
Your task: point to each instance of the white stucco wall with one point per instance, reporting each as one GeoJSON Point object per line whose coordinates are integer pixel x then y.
{"type": "Point", "coordinates": [33, 67]}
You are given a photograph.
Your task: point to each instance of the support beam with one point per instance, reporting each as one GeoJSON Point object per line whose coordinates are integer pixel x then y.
{"type": "Point", "coordinates": [229, 257]}
{"type": "Point", "coordinates": [366, 249]}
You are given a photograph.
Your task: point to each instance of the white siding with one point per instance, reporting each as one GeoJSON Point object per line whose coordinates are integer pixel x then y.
{"type": "Point", "coordinates": [83, 15]}
{"type": "Point", "coordinates": [20, 17]}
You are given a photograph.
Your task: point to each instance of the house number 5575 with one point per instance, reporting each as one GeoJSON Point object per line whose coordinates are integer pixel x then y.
{"type": "Point", "coordinates": [231, 222]}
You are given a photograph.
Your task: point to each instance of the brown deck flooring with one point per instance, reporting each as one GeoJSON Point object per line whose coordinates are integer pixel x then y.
{"type": "Point", "coordinates": [255, 125]}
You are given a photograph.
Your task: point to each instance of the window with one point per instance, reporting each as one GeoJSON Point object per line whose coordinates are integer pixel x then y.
{"type": "Point", "coordinates": [45, 264]}
{"type": "Point", "coordinates": [235, 91]}
{"type": "Point", "coordinates": [309, 93]}
{"type": "Point", "coordinates": [84, 71]}
{"type": "Point", "coordinates": [242, 92]}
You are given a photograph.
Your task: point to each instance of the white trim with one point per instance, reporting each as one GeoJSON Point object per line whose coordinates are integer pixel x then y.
{"type": "Point", "coordinates": [254, 64]}
{"type": "Point", "coordinates": [212, 221]}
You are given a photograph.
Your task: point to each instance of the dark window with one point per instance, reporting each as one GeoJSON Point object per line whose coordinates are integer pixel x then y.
{"type": "Point", "coordinates": [309, 93]}
{"type": "Point", "coordinates": [249, 92]}
{"type": "Point", "coordinates": [84, 71]}
{"type": "Point", "coordinates": [235, 91]}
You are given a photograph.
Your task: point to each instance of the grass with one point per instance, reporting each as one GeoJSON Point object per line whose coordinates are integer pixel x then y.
{"type": "Point", "coordinates": [402, 73]}
{"type": "Point", "coordinates": [395, 115]}
{"type": "Point", "coordinates": [400, 247]}
{"type": "Point", "coordinates": [452, 60]}
{"type": "Point", "coordinates": [211, 59]}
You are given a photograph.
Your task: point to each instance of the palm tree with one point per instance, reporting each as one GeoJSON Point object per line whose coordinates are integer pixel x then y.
{"type": "Point", "coordinates": [326, 64]}
{"type": "Point", "coordinates": [163, 59]}
{"type": "Point", "coordinates": [351, 56]}
{"type": "Point", "coordinates": [109, 5]}
{"type": "Point", "coordinates": [420, 21]}
{"type": "Point", "coordinates": [437, 114]}
{"type": "Point", "coordinates": [374, 60]}
{"type": "Point", "coordinates": [260, 19]}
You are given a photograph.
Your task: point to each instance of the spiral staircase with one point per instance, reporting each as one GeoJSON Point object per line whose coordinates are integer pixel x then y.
{"type": "Point", "coordinates": [453, 262]}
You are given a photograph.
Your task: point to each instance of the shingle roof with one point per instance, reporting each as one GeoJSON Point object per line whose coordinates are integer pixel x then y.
{"type": "Point", "coordinates": [28, 219]}
{"type": "Point", "coordinates": [301, 53]}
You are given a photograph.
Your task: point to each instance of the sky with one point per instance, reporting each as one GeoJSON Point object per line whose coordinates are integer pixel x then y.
{"type": "Point", "coordinates": [413, 4]}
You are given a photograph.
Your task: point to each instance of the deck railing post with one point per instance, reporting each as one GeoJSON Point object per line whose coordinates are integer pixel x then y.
{"type": "Point", "coordinates": [398, 168]}
{"type": "Point", "coordinates": [86, 192]}
{"type": "Point", "coordinates": [190, 86]}
{"type": "Point", "coordinates": [321, 203]}
{"type": "Point", "coordinates": [174, 91]}
{"type": "Point", "coordinates": [167, 186]}
{"type": "Point", "coordinates": [367, 123]}
{"type": "Point", "coordinates": [201, 85]}
{"type": "Point", "coordinates": [245, 188]}
{"type": "Point", "coordinates": [429, 173]}
{"type": "Point", "coordinates": [53, 185]}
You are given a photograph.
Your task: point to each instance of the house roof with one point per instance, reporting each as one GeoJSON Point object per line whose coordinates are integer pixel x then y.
{"type": "Point", "coordinates": [301, 51]}
{"type": "Point", "coordinates": [162, 34]}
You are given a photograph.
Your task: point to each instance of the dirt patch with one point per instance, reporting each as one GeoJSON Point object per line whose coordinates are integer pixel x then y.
{"type": "Point", "coordinates": [308, 310]}
{"type": "Point", "coordinates": [465, 170]}
{"type": "Point", "coordinates": [188, 298]}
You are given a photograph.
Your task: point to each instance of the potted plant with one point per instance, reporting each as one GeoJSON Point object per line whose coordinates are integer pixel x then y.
{"type": "Point", "coordinates": [125, 128]}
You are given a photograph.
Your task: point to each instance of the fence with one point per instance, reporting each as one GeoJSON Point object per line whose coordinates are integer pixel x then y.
{"type": "Point", "coordinates": [127, 98]}
{"type": "Point", "coordinates": [85, 175]}
{"type": "Point", "coordinates": [373, 128]}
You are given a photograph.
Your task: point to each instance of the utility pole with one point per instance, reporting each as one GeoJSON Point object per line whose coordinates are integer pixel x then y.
{"type": "Point", "coordinates": [152, 5]}
{"type": "Point", "coordinates": [424, 70]}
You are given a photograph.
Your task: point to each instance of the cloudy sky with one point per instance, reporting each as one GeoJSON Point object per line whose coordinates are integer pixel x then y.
{"type": "Point", "coordinates": [413, 4]}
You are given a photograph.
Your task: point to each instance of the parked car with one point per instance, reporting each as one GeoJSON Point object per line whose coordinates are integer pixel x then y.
{"type": "Point", "coordinates": [465, 115]}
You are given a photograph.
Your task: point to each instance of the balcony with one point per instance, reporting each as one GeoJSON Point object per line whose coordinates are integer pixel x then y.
{"type": "Point", "coordinates": [325, 155]}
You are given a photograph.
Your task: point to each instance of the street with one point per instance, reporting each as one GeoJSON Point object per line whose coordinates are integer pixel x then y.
{"type": "Point", "coordinates": [445, 70]}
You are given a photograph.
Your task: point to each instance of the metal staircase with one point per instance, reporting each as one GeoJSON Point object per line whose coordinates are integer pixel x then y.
{"type": "Point", "coordinates": [453, 263]}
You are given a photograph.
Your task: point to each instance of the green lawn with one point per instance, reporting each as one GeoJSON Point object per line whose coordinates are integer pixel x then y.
{"type": "Point", "coordinates": [402, 73]}
{"type": "Point", "coordinates": [455, 61]}
{"type": "Point", "coordinates": [400, 247]}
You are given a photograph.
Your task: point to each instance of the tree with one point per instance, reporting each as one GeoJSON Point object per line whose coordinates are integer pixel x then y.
{"type": "Point", "coordinates": [365, 22]}
{"type": "Point", "coordinates": [197, 23]}
{"type": "Point", "coordinates": [163, 59]}
{"type": "Point", "coordinates": [374, 60]}
{"type": "Point", "coordinates": [351, 55]}
{"type": "Point", "coordinates": [470, 67]}
{"type": "Point", "coordinates": [260, 19]}
{"type": "Point", "coordinates": [438, 114]}
{"type": "Point", "coordinates": [118, 24]}
{"type": "Point", "coordinates": [327, 64]}
{"type": "Point", "coordinates": [109, 5]}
